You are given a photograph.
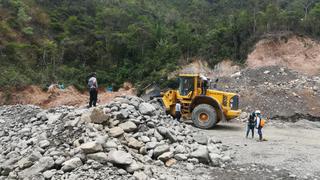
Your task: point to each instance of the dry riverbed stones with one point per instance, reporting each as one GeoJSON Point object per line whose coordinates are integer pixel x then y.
{"type": "Point", "coordinates": [125, 139]}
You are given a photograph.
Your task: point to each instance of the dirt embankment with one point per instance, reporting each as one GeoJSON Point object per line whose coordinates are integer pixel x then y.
{"type": "Point", "coordinates": [282, 77]}
{"type": "Point", "coordinates": [58, 97]}
{"type": "Point", "coordinates": [297, 53]}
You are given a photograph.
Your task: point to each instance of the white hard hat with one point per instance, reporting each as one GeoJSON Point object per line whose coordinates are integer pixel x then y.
{"type": "Point", "coordinates": [203, 77]}
{"type": "Point", "coordinates": [257, 112]}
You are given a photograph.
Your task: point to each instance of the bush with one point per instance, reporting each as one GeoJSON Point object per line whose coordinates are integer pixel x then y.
{"type": "Point", "coordinates": [11, 77]}
{"type": "Point", "coordinates": [72, 76]}
{"type": "Point", "coordinates": [28, 31]}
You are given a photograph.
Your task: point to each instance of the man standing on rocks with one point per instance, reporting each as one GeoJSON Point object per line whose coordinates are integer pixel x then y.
{"type": "Point", "coordinates": [93, 90]}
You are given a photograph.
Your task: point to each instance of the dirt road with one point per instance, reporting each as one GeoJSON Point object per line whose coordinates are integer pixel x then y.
{"type": "Point", "coordinates": [291, 146]}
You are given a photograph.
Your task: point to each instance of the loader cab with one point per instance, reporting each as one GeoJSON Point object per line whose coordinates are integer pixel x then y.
{"type": "Point", "coordinates": [188, 86]}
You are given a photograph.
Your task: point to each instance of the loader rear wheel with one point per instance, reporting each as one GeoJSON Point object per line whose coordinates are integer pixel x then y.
{"type": "Point", "coordinates": [204, 116]}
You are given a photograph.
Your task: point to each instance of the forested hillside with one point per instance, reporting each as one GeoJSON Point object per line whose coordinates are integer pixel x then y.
{"type": "Point", "coordinates": [45, 41]}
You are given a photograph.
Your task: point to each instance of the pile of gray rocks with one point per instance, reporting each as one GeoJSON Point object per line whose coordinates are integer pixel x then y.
{"type": "Point", "coordinates": [278, 92]}
{"type": "Point", "coordinates": [126, 139]}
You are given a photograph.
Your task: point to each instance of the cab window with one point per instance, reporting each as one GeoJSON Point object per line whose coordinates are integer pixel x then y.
{"type": "Point", "coordinates": [186, 85]}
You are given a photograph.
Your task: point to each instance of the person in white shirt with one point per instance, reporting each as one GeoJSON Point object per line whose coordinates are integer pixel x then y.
{"type": "Point", "coordinates": [93, 90]}
{"type": "Point", "coordinates": [204, 86]}
{"type": "Point", "coordinates": [178, 110]}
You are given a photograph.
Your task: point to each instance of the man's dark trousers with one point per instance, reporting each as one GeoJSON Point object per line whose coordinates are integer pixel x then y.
{"type": "Point", "coordinates": [250, 127]}
{"type": "Point", "coordinates": [178, 115]}
{"type": "Point", "coordinates": [93, 97]}
{"type": "Point", "coordinates": [260, 133]}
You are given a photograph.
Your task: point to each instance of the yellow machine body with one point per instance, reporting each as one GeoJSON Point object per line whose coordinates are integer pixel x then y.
{"type": "Point", "coordinates": [190, 96]}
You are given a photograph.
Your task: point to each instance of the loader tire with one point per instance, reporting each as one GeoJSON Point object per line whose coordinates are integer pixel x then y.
{"type": "Point", "coordinates": [204, 116]}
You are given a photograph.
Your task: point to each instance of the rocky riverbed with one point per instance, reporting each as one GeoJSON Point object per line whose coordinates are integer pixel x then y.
{"type": "Point", "coordinates": [125, 139]}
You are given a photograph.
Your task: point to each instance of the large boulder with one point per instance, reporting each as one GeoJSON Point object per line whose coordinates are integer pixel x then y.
{"type": "Point", "coordinates": [146, 109]}
{"type": "Point", "coordinates": [201, 139]}
{"type": "Point", "coordinates": [43, 164]}
{"type": "Point", "coordinates": [98, 116]}
{"type": "Point", "coordinates": [171, 136]}
{"type": "Point", "coordinates": [166, 156]}
{"type": "Point", "coordinates": [42, 116]}
{"type": "Point", "coordinates": [52, 118]}
{"type": "Point", "coordinates": [134, 143]}
{"type": "Point", "coordinates": [120, 157]}
{"type": "Point", "coordinates": [123, 114]}
{"type": "Point", "coordinates": [151, 145]}
{"type": "Point", "coordinates": [85, 117]}
{"type": "Point", "coordinates": [71, 164]}
{"type": "Point", "coordinates": [157, 135]}
{"type": "Point", "coordinates": [95, 116]}
{"type": "Point", "coordinates": [225, 159]}
{"type": "Point", "coordinates": [135, 101]}
{"type": "Point", "coordinates": [111, 144]}
{"type": "Point", "coordinates": [179, 149]}
{"type": "Point", "coordinates": [91, 147]}
{"type": "Point", "coordinates": [165, 132]}
{"type": "Point", "coordinates": [100, 157]}
{"type": "Point", "coordinates": [162, 130]}
{"type": "Point", "coordinates": [24, 163]}
{"type": "Point", "coordinates": [170, 162]}
{"type": "Point", "coordinates": [139, 175]}
{"type": "Point", "coordinates": [116, 131]}
{"type": "Point", "coordinates": [44, 143]}
{"type": "Point", "coordinates": [181, 157]}
{"type": "Point", "coordinates": [160, 150]}
{"type": "Point", "coordinates": [134, 166]}
{"type": "Point", "coordinates": [215, 159]}
{"type": "Point", "coordinates": [121, 100]}
{"type": "Point", "coordinates": [202, 154]}
{"type": "Point", "coordinates": [128, 126]}
{"type": "Point", "coordinates": [145, 139]}
{"type": "Point", "coordinates": [213, 148]}
{"type": "Point", "coordinates": [48, 174]}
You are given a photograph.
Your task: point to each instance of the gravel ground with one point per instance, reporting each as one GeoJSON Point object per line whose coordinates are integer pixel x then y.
{"type": "Point", "coordinates": [291, 146]}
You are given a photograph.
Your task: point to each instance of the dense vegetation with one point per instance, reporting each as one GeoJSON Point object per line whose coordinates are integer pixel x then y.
{"type": "Point", "coordinates": [45, 41]}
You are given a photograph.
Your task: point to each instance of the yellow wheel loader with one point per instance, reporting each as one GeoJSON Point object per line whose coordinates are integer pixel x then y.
{"type": "Point", "coordinates": [206, 108]}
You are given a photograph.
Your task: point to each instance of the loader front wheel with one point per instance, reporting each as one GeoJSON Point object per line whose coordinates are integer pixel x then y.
{"type": "Point", "coordinates": [204, 116]}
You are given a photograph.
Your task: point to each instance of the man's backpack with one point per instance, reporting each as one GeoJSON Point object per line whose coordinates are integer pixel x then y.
{"type": "Point", "coordinates": [90, 83]}
{"type": "Point", "coordinates": [262, 122]}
